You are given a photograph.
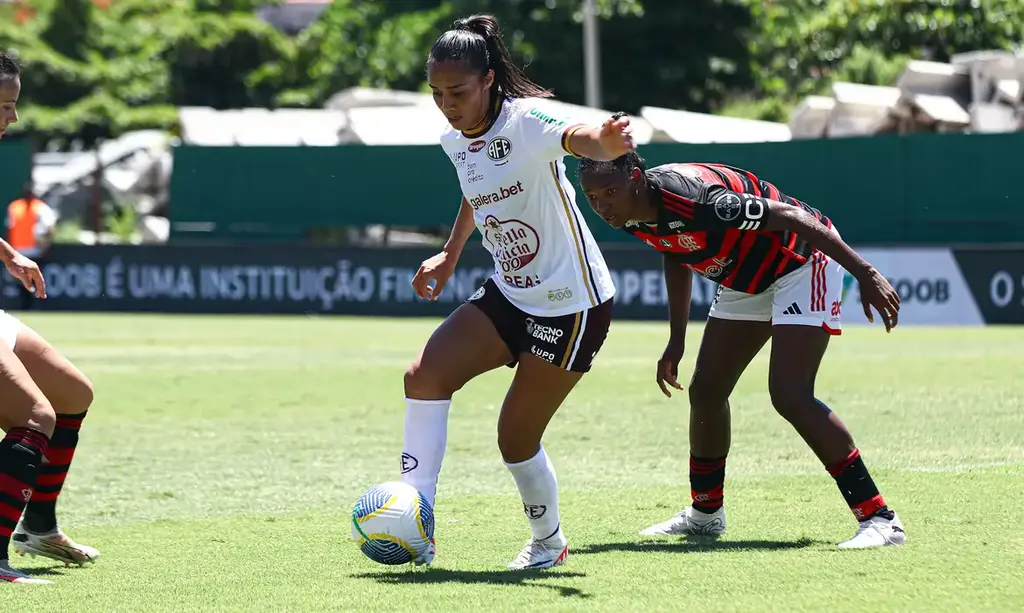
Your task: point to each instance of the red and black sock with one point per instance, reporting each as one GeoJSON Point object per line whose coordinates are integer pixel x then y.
{"type": "Point", "coordinates": [859, 488]}
{"type": "Point", "coordinates": [21, 454]}
{"type": "Point", "coordinates": [707, 483]}
{"type": "Point", "coordinates": [41, 512]}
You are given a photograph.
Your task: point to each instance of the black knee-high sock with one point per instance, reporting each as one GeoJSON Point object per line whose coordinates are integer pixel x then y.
{"type": "Point", "coordinates": [21, 455]}
{"type": "Point", "coordinates": [41, 512]}
{"type": "Point", "coordinates": [858, 488]}
{"type": "Point", "coordinates": [707, 483]}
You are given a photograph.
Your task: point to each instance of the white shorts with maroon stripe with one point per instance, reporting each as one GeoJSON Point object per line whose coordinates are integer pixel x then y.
{"type": "Point", "coordinates": [809, 296]}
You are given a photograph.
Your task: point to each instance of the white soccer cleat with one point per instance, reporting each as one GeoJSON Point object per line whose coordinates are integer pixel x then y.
{"type": "Point", "coordinates": [538, 554]}
{"type": "Point", "coordinates": [55, 545]}
{"type": "Point", "coordinates": [690, 521]}
{"type": "Point", "coordinates": [427, 557]}
{"type": "Point", "coordinates": [10, 575]}
{"type": "Point", "coordinates": [877, 532]}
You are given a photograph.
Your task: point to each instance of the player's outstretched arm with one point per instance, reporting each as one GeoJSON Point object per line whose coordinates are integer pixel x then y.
{"type": "Point", "coordinates": [679, 283]}
{"type": "Point", "coordinates": [613, 139]}
{"type": "Point", "coordinates": [875, 289]}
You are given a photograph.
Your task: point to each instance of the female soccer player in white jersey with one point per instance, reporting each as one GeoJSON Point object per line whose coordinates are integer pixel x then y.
{"type": "Point", "coordinates": [547, 308]}
{"type": "Point", "coordinates": [43, 400]}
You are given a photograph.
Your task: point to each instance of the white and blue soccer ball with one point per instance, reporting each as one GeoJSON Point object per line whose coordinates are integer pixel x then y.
{"type": "Point", "coordinates": [392, 523]}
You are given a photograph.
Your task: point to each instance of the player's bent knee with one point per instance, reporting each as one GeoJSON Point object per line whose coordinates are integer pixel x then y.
{"type": "Point", "coordinates": [706, 395]}
{"type": "Point", "coordinates": [516, 445]}
{"type": "Point", "coordinates": [788, 398]}
{"type": "Point", "coordinates": [425, 381]}
{"type": "Point", "coordinates": [41, 418]}
{"type": "Point", "coordinates": [80, 394]}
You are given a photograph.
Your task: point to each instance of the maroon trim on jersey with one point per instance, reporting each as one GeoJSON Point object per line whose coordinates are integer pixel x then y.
{"type": "Point", "coordinates": [567, 135]}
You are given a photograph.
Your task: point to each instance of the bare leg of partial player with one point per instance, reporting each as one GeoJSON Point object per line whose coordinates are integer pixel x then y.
{"type": "Point", "coordinates": [797, 351]}
{"type": "Point", "coordinates": [726, 350]}
{"type": "Point", "coordinates": [538, 390]}
{"type": "Point", "coordinates": [28, 419]}
{"type": "Point", "coordinates": [70, 394]}
{"type": "Point", "coordinates": [463, 347]}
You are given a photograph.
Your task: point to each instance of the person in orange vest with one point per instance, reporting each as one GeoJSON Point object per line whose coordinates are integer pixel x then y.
{"type": "Point", "coordinates": [30, 223]}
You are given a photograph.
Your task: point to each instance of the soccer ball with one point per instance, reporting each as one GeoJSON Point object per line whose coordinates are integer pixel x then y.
{"type": "Point", "coordinates": [392, 523]}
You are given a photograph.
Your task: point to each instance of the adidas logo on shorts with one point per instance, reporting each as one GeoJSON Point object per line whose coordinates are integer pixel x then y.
{"type": "Point", "coordinates": [793, 310]}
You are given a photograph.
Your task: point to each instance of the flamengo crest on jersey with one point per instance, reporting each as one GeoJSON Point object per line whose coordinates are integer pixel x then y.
{"type": "Point", "coordinates": [546, 261]}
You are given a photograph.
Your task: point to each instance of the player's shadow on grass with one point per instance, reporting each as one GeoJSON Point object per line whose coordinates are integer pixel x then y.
{"type": "Point", "coordinates": [695, 544]}
{"type": "Point", "coordinates": [538, 578]}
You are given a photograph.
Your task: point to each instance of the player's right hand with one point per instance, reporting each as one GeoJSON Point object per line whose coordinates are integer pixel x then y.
{"type": "Point", "coordinates": [668, 368]}
{"type": "Point", "coordinates": [437, 269]}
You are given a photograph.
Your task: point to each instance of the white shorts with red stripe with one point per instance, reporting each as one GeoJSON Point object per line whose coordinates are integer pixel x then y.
{"type": "Point", "coordinates": [811, 295]}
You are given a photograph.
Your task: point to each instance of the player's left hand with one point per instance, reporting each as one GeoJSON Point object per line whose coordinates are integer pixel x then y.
{"type": "Point", "coordinates": [668, 368]}
{"type": "Point", "coordinates": [617, 136]}
{"type": "Point", "coordinates": [877, 292]}
{"type": "Point", "coordinates": [27, 271]}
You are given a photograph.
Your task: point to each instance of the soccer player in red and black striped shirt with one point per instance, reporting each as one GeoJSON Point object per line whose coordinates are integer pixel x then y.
{"type": "Point", "coordinates": [779, 265]}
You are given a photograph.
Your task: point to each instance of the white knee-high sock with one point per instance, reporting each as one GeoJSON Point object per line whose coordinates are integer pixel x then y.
{"type": "Point", "coordinates": [538, 488]}
{"type": "Point", "coordinates": [426, 434]}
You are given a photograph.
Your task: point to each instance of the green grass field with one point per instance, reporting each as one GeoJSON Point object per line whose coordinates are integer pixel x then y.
{"type": "Point", "coordinates": [219, 466]}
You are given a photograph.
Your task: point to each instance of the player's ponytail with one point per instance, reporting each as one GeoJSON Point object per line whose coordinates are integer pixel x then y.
{"type": "Point", "coordinates": [8, 67]}
{"type": "Point", "coordinates": [476, 40]}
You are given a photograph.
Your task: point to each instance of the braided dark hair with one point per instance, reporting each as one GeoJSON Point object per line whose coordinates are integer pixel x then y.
{"type": "Point", "coordinates": [476, 40]}
{"type": "Point", "coordinates": [8, 67]}
{"type": "Point", "coordinates": [623, 164]}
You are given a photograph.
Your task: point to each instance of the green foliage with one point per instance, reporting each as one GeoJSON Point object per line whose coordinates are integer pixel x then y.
{"type": "Point", "coordinates": [362, 43]}
{"type": "Point", "coordinates": [803, 45]}
{"type": "Point", "coordinates": [92, 73]}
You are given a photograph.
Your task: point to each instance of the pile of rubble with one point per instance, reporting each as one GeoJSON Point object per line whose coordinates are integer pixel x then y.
{"type": "Point", "coordinates": [977, 92]}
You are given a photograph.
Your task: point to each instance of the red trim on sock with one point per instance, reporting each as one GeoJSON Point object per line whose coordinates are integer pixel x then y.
{"type": "Point", "coordinates": [836, 469]}
{"type": "Point", "coordinates": [868, 508]}
{"type": "Point", "coordinates": [70, 422]}
{"type": "Point", "coordinates": [705, 467]}
{"type": "Point", "coordinates": [711, 499]}
{"type": "Point", "coordinates": [28, 436]}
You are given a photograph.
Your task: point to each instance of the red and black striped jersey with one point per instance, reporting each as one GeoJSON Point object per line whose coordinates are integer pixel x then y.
{"type": "Point", "coordinates": [710, 219]}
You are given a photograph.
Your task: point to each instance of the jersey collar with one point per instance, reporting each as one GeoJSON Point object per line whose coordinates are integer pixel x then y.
{"type": "Point", "coordinates": [654, 189]}
{"type": "Point", "coordinates": [496, 112]}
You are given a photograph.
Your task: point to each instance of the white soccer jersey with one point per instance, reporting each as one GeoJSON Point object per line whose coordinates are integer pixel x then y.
{"type": "Point", "coordinates": [546, 261]}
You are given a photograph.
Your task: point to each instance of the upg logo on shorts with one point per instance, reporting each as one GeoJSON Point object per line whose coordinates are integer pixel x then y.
{"type": "Point", "coordinates": [544, 334]}
{"type": "Point", "coordinates": [481, 200]}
